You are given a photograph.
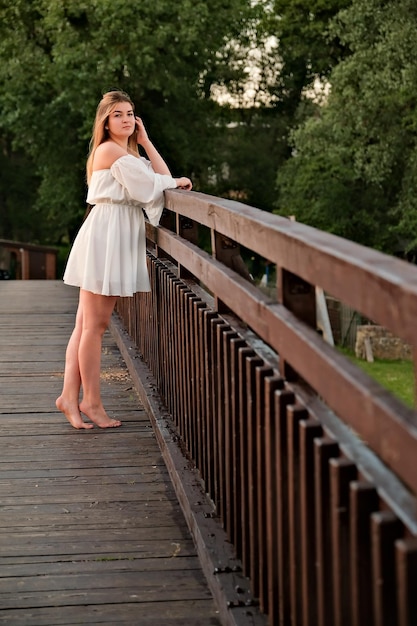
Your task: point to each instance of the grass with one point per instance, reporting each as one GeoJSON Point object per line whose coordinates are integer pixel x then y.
{"type": "Point", "coordinates": [396, 376]}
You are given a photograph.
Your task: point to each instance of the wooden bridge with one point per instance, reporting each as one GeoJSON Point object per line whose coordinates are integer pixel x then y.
{"type": "Point", "coordinates": [259, 477]}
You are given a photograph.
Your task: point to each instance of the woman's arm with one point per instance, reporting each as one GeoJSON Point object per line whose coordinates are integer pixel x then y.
{"type": "Point", "coordinates": [158, 163]}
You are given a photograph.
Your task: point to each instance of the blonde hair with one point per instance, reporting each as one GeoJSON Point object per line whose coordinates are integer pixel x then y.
{"type": "Point", "coordinates": [100, 133]}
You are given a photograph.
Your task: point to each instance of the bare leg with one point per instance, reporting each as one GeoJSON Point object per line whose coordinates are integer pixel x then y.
{"type": "Point", "coordinates": [97, 310]}
{"type": "Point", "coordinates": [69, 398]}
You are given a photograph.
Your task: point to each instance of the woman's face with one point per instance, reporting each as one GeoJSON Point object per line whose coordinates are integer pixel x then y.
{"type": "Point", "coordinates": [121, 121]}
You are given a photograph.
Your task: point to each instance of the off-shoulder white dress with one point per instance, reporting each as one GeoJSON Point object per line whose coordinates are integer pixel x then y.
{"type": "Point", "coordinates": [108, 256]}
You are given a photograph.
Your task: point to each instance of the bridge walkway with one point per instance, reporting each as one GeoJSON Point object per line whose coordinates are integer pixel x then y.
{"type": "Point", "coordinates": [91, 530]}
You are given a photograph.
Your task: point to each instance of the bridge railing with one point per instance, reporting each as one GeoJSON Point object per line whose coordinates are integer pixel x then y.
{"type": "Point", "coordinates": [310, 463]}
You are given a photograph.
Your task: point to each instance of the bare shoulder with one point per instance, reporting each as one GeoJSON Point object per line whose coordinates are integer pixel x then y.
{"type": "Point", "coordinates": [106, 154]}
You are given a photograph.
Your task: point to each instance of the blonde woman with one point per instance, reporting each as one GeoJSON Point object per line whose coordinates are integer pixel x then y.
{"type": "Point", "coordinates": [108, 257]}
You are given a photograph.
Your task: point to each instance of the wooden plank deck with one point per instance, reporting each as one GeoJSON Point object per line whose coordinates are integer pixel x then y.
{"type": "Point", "coordinates": [91, 531]}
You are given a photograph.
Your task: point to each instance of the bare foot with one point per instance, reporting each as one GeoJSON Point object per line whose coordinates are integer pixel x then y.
{"type": "Point", "coordinates": [72, 413]}
{"type": "Point", "coordinates": [98, 415]}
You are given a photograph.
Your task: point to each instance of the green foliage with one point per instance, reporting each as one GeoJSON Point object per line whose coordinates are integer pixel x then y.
{"type": "Point", "coordinates": [58, 57]}
{"type": "Point", "coordinates": [17, 177]}
{"type": "Point", "coordinates": [354, 164]}
{"type": "Point", "coordinates": [293, 50]}
{"type": "Point", "coordinates": [346, 164]}
{"type": "Point", "coordinates": [320, 186]}
{"type": "Point", "coordinates": [308, 49]}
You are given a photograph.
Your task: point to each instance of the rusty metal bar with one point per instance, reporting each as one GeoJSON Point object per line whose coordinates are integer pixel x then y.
{"type": "Point", "coordinates": [205, 323]}
{"type": "Point", "coordinates": [229, 446]}
{"type": "Point", "coordinates": [406, 570]}
{"type": "Point", "coordinates": [283, 398]}
{"type": "Point", "coordinates": [363, 502]}
{"type": "Point", "coordinates": [250, 427]}
{"type": "Point", "coordinates": [215, 394]}
{"type": "Point", "coordinates": [295, 414]}
{"type": "Point", "coordinates": [325, 449]}
{"type": "Point", "coordinates": [270, 597]}
{"type": "Point", "coordinates": [256, 369]}
{"type": "Point", "coordinates": [309, 431]}
{"type": "Point", "coordinates": [191, 368]}
{"type": "Point", "coordinates": [199, 390]}
{"type": "Point", "coordinates": [211, 319]}
{"type": "Point", "coordinates": [235, 528]}
{"type": "Point", "coordinates": [386, 528]}
{"type": "Point", "coordinates": [221, 416]}
{"type": "Point", "coordinates": [342, 473]}
{"type": "Point", "coordinates": [243, 547]}
{"type": "Point", "coordinates": [259, 550]}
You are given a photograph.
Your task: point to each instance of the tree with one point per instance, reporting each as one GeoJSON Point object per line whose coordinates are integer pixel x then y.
{"type": "Point", "coordinates": [308, 49]}
{"type": "Point", "coordinates": [282, 53]}
{"type": "Point", "coordinates": [17, 188]}
{"type": "Point", "coordinates": [58, 57]}
{"type": "Point", "coordinates": [353, 166]}
{"type": "Point", "coordinates": [292, 53]}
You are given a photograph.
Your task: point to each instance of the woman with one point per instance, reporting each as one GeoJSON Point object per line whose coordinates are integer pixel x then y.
{"type": "Point", "coordinates": [108, 258]}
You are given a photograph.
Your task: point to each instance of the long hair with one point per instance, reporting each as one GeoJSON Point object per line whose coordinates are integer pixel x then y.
{"type": "Point", "coordinates": [100, 134]}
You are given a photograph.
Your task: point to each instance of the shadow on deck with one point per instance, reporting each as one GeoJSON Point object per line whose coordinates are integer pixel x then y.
{"type": "Point", "coordinates": [91, 528]}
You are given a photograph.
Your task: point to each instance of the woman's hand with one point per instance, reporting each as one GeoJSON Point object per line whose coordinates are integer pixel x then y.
{"type": "Point", "coordinates": [184, 183]}
{"type": "Point", "coordinates": [158, 164]}
{"type": "Point", "coordinates": [141, 134]}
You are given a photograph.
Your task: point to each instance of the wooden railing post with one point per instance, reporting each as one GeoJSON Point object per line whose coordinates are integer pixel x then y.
{"type": "Point", "coordinates": [228, 252]}
{"type": "Point", "coordinates": [299, 297]}
{"type": "Point", "coordinates": [187, 229]}
{"type": "Point", "coordinates": [168, 221]}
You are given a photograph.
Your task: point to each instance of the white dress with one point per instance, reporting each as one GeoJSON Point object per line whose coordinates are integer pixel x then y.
{"type": "Point", "coordinates": [108, 256]}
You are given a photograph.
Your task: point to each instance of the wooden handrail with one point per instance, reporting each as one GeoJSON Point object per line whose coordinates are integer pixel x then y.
{"type": "Point", "coordinates": [379, 286]}
{"type": "Point", "coordinates": [310, 464]}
